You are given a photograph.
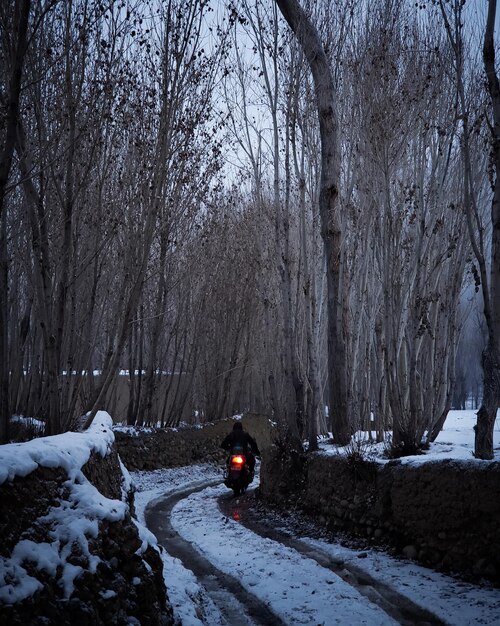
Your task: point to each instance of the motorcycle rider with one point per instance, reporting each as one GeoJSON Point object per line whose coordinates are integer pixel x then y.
{"type": "Point", "coordinates": [238, 440]}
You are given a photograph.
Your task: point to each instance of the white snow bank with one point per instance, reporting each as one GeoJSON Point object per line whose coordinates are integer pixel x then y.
{"type": "Point", "coordinates": [70, 450]}
{"type": "Point", "coordinates": [133, 431]}
{"type": "Point", "coordinates": [29, 422]}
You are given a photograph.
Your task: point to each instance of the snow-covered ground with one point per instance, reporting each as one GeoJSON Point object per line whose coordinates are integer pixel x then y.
{"type": "Point", "coordinates": [455, 441]}
{"type": "Point", "coordinates": [296, 588]}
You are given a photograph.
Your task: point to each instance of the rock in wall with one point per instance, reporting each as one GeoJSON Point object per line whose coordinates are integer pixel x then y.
{"type": "Point", "coordinates": [445, 514]}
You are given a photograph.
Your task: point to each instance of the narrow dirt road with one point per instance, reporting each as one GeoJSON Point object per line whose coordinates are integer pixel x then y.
{"type": "Point", "coordinates": [238, 606]}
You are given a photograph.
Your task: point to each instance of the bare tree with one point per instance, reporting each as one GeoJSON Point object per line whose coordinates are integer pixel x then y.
{"type": "Point", "coordinates": [491, 289]}
{"type": "Point", "coordinates": [140, 270]}
{"type": "Point", "coordinates": [112, 177]}
{"type": "Point", "coordinates": [14, 30]}
{"type": "Point", "coordinates": [331, 223]}
{"type": "Point", "coordinates": [489, 268]}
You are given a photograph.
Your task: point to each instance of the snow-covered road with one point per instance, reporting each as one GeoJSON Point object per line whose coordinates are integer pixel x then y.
{"type": "Point", "coordinates": [296, 588]}
{"type": "Point", "coordinates": [237, 605]}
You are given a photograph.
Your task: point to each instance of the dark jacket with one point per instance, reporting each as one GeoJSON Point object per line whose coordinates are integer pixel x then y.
{"type": "Point", "coordinates": [240, 439]}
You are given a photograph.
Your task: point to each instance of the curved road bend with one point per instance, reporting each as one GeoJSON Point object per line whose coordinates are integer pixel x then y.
{"type": "Point", "coordinates": [237, 606]}
{"type": "Point", "coordinates": [241, 608]}
{"type": "Point", "coordinates": [399, 607]}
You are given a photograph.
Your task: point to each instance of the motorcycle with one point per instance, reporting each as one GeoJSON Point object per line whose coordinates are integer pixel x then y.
{"type": "Point", "coordinates": [237, 474]}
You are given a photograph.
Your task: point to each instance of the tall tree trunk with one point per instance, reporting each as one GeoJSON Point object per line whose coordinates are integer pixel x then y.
{"type": "Point", "coordinates": [152, 377]}
{"type": "Point", "coordinates": [21, 15]}
{"type": "Point", "coordinates": [331, 224]}
{"type": "Point", "coordinates": [491, 355]}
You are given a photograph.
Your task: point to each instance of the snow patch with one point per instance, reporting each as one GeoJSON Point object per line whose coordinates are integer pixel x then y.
{"type": "Point", "coordinates": [69, 451]}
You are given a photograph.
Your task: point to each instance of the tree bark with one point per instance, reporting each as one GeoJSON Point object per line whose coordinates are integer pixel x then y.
{"type": "Point", "coordinates": [331, 225]}
{"type": "Point", "coordinates": [483, 434]}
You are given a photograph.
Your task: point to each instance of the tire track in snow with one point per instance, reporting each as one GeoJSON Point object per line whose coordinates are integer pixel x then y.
{"type": "Point", "coordinates": [236, 604]}
{"type": "Point", "coordinates": [396, 605]}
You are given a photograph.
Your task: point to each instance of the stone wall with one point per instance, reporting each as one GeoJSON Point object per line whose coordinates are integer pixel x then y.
{"type": "Point", "coordinates": [148, 450]}
{"type": "Point", "coordinates": [444, 514]}
{"type": "Point", "coordinates": [125, 587]}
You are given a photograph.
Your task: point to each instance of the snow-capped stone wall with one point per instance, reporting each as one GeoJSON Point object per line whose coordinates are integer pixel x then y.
{"type": "Point", "coordinates": [70, 548]}
{"type": "Point", "coordinates": [444, 514]}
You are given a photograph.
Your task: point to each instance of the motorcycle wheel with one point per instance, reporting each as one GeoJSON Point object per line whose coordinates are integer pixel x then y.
{"type": "Point", "coordinates": [236, 491]}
